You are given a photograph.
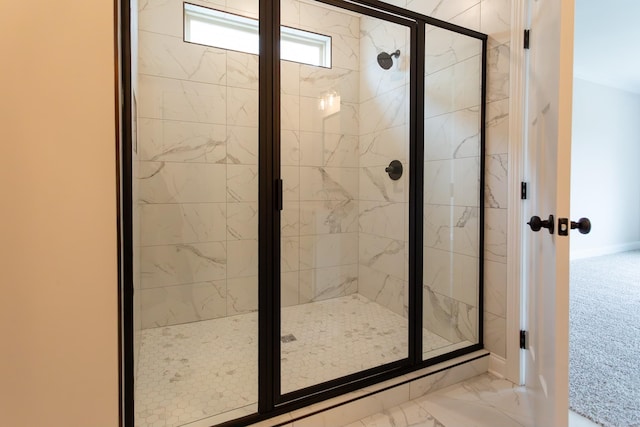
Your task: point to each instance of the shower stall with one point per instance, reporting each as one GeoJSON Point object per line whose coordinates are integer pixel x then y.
{"type": "Point", "coordinates": [306, 202]}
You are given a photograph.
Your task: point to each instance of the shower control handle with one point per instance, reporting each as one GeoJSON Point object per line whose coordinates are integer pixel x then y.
{"type": "Point", "coordinates": [394, 170]}
{"type": "Point", "coordinates": [536, 223]}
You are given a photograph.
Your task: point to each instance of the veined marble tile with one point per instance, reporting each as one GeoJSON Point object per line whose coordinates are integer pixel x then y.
{"type": "Point", "coordinates": [379, 148]}
{"type": "Point", "coordinates": [467, 83]}
{"type": "Point", "coordinates": [385, 219]}
{"type": "Point", "coordinates": [444, 48]}
{"type": "Point", "coordinates": [290, 72]}
{"type": "Point", "coordinates": [323, 149]}
{"type": "Point", "coordinates": [182, 264]}
{"type": "Point", "coordinates": [449, 318]}
{"type": "Point", "coordinates": [248, 8]}
{"type": "Point", "coordinates": [385, 111]}
{"type": "Point", "coordinates": [328, 250]}
{"type": "Point", "coordinates": [289, 253]}
{"type": "Point", "coordinates": [439, 90]}
{"type": "Point", "coordinates": [290, 148]}
{"type": "Point", "coordinates": [497, 127]}
{"type": "Point", "coordinates": [242, 107]}
{"type": "Point", "coordinates": [452, 228]}
{"type": "Point", "coordinates": [242, 70]}
{"type": "Point", "coordinates": [289, 293]}
{"type": "Point", "coordinates": [466, 181]}
{"type": "Point", "coordinates": [375, 185]}
{"type": "Point", "coordinates": [495, 235]}
{"type": "Point", "coordinates": [242, 183]}
{"type": "Point", "coordinates": [375, 81]}
{"type": "Point", "coordinates": [242, 221]}
{"type": "Point", "coordinates": [498, 60]}
{"type": "Point", "coordinates": [452, 275]}
{"type": "Point", "coordinates": [453, 135]}
{"type": "Point", "coordinates": [164, 224]}
{"type": "Point", "coordinates": [328, 183]}
{"type": "Point", "coordinates": [290, 183]}
{"type": "Point", "coordinates": [290, 12]}
{"type": "Point", "coordinates": [452, 182]}
{"type": "Point", "coordinates": [328, 282]}
{"type": "Point", "coordinates": [290, 219]}
{"type": "Point", "coordinates": [316, 82]}
{"type": "Point", "coordinates": [432, 383]}
{"type": "Point", "coordinates": [470, 18]}
{"type": "Point", "coordinates": [383, 254]}
{"type": "Point", "coordinates": [290, 114]}
{"type": "Point", "coordinates": [444, 10]}
{"type": "Point", "coordinates": [162, 16]}
{"type": "Point", "coordinates": [495, 334]}
{"type": "Point", "coordinates": [182, 304]}
{"type": "Point", "coordinates": [171, 99]}
{"type": "Point", "coordinates": [344, 121]}
{"type": "Point", "coordinates": [496, 184]}
{"type": "Point", "coordinates": [495, 288]}
{"type": "Point", "coordinates": [165, 140]}
{"type": "Point", "coordinates": [242, 295]}
{"type": "Point", "coordinates": [169, 56]}
{"type": "Point", "coordinates": [329, 216]}
{"type": "Point", "coordinates": [386, 290]}
{"type": "Point", "coordinates": [242, 258]}
{"type": "Point", "coordinates": [242, 145]}
{"type": "Point", "coordinates": [193, 102]}
{"type": "Point", "coordinates": [327, 19]}
{"type": "Point", "coordinates": [488, 401]}
{"type": "Point", "coordinates": [167, 182]}
{"type": "Point", "coordinates": [496, 21]}
{"type": "Point", "coordinates": [345, 52]}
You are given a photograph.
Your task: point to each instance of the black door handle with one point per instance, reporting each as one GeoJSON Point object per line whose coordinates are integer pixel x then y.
{"type": "Point", "coordinates": [583, 225]}
{"type": "Point", "coordinates": [536, 223]}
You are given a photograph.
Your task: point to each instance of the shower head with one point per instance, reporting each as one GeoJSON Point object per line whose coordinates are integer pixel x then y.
{"type": "Point", "coordinates": [385, 59]}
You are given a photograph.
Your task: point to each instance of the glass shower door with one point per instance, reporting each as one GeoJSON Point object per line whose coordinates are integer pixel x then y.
{"type": "Point", "coordinates": [453, 205]}
{"type": "Point", "coordinates": [344, 224]}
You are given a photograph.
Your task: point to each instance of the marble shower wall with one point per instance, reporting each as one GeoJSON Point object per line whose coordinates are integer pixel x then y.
{"type": "Point", "coordinates": [384, 136]}
{"type": "Point", "coordinates": [198, 188]}
{"type": "Point", "coordinates": [492, 17]}
{"type": "Point", "coordinates": [319, 155]}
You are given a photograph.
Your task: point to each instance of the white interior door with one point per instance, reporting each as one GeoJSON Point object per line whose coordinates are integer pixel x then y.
{"type": "Point", "coordinates": [547, 169]}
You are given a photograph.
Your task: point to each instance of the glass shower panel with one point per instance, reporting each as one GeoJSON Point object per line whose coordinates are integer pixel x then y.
{"type": "Point", "coordinates": [344, 222]}
{"type": "Point", "coordinates": [453, 102]}
{"type": "Point", "coordinates": [198, 186]}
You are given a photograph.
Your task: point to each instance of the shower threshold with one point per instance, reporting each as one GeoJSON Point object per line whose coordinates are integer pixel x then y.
{"type": "Point", "coordinates": [202, 369]}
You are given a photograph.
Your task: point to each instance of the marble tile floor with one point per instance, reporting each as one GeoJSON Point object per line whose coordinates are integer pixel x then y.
{"type": "Point", "coordinates": [482, 401]}
{"type": "Point", "coordinates": [196, 370]}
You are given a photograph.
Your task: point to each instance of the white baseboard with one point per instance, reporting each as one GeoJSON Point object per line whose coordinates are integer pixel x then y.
{"type": "Point", "coordinates": [604, 250]}
{"type": "Point", "coordinates": [497, 365]}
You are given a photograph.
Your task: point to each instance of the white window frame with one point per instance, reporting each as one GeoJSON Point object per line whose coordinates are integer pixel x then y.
{"type": "Point", "coordinates": [317, 46]}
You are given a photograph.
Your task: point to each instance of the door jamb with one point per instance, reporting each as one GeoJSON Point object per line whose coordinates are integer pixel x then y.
{"type": "Point", "coordinates": [511, 367]}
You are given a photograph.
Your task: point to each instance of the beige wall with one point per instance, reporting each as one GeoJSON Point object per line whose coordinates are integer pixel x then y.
{"type": "Point", "coordinates": [58, 308]}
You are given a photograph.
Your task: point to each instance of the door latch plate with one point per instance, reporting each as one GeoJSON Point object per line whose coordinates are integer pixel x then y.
{"type": "Point", "coordinates": [563, 226]}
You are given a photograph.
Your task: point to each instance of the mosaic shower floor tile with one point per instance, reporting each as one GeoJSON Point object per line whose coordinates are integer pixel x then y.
{"type": "Point", "coordinates": [196, 370]}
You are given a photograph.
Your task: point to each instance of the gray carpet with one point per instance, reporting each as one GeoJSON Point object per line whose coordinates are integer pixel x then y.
{"type": "Point", "coordinates": [604, 341]}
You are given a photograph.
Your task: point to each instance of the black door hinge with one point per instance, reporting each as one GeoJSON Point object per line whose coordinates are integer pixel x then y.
{"type": "Point", "coordinates": [527, 33]}
{"type": "Point", "coordinates": [523, 340]}
{"type": "Point", "coordinates": [523, 190]}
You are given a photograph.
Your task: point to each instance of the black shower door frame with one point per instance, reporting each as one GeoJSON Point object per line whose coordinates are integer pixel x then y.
{"type": "Point", "coordinates": [271, 401]}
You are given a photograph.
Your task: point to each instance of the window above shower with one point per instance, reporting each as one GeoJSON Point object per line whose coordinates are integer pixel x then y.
{"type": "Point", "coordinates": [229, 31]}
